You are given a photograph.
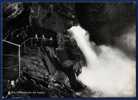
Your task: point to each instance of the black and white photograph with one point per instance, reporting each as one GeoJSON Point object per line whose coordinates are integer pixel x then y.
{"type": "Point", "coordinates": [77, 50]}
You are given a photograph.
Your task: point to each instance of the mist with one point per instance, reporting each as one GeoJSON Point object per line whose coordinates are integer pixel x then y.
{"type": "Point", "coordinates": [109, 71]}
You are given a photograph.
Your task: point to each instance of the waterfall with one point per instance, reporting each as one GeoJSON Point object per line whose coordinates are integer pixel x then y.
{"type": "Point", "coordinates": [109, 72]}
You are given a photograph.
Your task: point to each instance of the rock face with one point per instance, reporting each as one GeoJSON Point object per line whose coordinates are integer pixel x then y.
{"type": "Point", "coordinates": [41, 73]}
{"type": "Point", "coordinates": [41, 70]}
{"type": "Point", "coordinates": [41, 37]}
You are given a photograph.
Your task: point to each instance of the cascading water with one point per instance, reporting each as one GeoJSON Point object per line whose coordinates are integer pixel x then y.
{"type": "Point", "coordinates": [110, 72]}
